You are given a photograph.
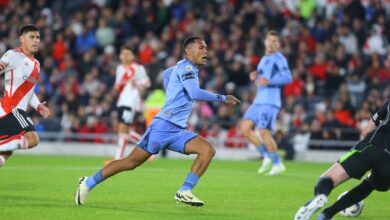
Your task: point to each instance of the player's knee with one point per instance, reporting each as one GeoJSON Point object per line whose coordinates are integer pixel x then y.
{"type": "Point", "coordinates": [212, 152]}
{"type": "Point", "coordinates": [130, 165]}
{"type": "Point", "coordinates": [263, 132]}
{"type": "Point", "coordinates": [244, 130]}
{"type": "Point", "coordinates": [209, 152]}
{"type": "Point", "coordinates": [33, 141]}
{"type": "Point", "coordinates": [381, 188]}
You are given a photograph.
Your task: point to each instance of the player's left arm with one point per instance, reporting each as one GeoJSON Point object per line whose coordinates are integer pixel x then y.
{"type": "Point", "coordinates": [39, 107]}
{"type": "Point", "coordinates": [118, 85]}
{"type": "Point", "coordinates": [283, 76]}
{"type": "Point", "coordinates": [141, 80]}
{"type": "Point", "coordinates": [375, 119]}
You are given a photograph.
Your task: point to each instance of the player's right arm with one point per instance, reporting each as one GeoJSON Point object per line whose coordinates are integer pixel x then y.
{"type": "Point", "coordinates": [375, 120]}
{"type": "Point", "coordinates": [4, 63]}
{"type": "Point", "coordinates": [263, 72]}
{"type": "Point", "coordinates": [118, 77]}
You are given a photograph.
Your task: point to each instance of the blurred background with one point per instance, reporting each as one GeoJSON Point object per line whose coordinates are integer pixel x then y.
{"type": "Point", "coordinates": [338, 52]}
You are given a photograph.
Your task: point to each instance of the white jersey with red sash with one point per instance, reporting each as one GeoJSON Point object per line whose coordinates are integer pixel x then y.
{"type": "Point", "coordinates": [128, 78]}
{"type": "Point", "coordinates": [21, 75]}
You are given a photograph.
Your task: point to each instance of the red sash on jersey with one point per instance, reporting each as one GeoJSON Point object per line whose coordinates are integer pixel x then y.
{"type": "Point", "coordinates": [126, 77]}
{"type": "Point", "coordinates": [9, 102]}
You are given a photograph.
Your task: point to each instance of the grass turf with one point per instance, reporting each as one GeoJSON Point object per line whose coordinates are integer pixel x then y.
{"type": "Point", "coordinates": [43, 187]}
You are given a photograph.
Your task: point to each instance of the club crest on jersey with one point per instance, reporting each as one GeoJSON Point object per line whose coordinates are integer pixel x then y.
{"type": "Point", "coordinates": [189, 68]}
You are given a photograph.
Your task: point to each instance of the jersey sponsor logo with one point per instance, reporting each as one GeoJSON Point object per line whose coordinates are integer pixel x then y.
{"type": "Point", "coordinates": [188, 75]}
{"type": "Point", "coordinates": [30, 79]}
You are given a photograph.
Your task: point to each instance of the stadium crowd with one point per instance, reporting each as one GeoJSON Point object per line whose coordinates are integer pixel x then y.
{"type": "Point", "coordinates": [337, 50]}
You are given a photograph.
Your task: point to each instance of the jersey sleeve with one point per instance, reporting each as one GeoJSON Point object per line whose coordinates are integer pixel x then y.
{"type": "Point", "coordinates": [381, 113]}
{"type": "Point", "coordinates": [191, 85]}
{"type": "Point", "coordinates": [283, 75]}
{"type": "Point", "coordinates": [167, 75]}
{"type": "Point", "coordinates": [34, 101]}
{"type": "Point", "coordinates": [141, 78]}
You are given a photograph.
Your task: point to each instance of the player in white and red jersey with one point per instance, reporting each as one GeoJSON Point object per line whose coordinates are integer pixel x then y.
{"type": "Point", "coordinates": [130, 79]}
{"type": "Point", "coordinates": [21, 73]}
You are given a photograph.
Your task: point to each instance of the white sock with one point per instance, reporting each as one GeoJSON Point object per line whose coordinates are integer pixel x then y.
{"type": "Point", "coordinates": [14, 143]}
{"type": "Point", "coordinates": [2, 161]}
{"type": "Point", "coordinates": [122, 143]}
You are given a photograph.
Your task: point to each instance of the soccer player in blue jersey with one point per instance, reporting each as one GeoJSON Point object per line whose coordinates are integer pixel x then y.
{"type": "Point", "coordinates": [168, 128]}
{"type": "Point", "coordinates": [271, 74]}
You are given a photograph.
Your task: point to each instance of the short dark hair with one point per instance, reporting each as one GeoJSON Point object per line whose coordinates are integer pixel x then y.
{"type": "Point", "coordinates": [127, 47]}
{"type": "Point", "coordinates": [27, 28]}
{"type": "Point", "coordinates": [273, 33]}
{"type": "Point", "coordinates": [190, 40]}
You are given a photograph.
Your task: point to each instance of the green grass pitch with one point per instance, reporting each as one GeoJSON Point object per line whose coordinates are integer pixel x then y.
{"type": "Point", "coordinates": [43, 187]}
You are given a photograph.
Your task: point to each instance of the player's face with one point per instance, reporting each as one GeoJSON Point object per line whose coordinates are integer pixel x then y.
{"type": "Point", "coordinates": [197, 52]}
{"type": "Point", "coordinates": [126, 56]}
{"type": "Point", "coordinates": [30, 41]}
{"type": "Point", "coordinates": [272, 43]}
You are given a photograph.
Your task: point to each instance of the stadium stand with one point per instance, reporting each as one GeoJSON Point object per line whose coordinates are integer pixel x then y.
{"type": "Point", "coordinates": [338, 51]}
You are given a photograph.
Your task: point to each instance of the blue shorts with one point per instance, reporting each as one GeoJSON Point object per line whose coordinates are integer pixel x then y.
{"type": "Point", "coordinates": [264, 116]}
{"type": "Point", "coordinates": [163, 134]}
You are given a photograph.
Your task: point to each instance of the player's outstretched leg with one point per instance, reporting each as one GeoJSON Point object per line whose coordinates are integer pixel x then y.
{"type": "Point", "coordinates": [205, 153]}
{"type": "Point", "coordinates": [325, 184]}
{"type": "Point", "coordinates": [4, 156]}
{"type": "Point", "coordinates": [354, 196]}
{"type": "Point", "coordinates": [306, 211]}
{"type": "Point", "coordinates": [137, 157]}
{"type": "Point", "coordinates": [322, 189]}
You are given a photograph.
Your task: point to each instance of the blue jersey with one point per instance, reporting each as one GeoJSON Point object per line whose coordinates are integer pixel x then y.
{"type": "Point", "coordinates": [273, 67]}
{"type": "Point", "coordinates": [181, 85]}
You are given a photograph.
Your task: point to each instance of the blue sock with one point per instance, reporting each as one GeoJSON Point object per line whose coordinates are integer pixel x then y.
{"type": "Point", "coordinates": [275, 157]}
{"type": "Point", "coordinates": [96, 179]}
{"type": "Point", "coordinates": [189, 182]}
{"type": "Point", "coordinates": [261, 148]}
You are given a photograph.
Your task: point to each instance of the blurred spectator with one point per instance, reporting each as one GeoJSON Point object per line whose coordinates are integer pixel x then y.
{"type": "Point", "coordinates": [375, 43]}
